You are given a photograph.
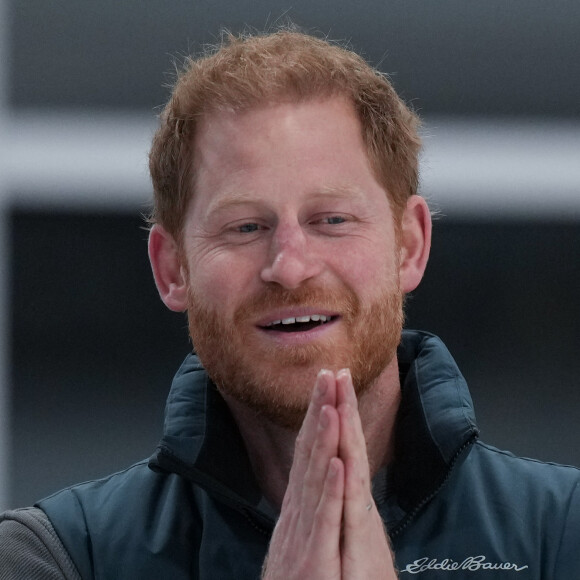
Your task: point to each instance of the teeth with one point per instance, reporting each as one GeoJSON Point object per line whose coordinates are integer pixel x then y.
{"type": "Point", "coordinates": [312, 317]}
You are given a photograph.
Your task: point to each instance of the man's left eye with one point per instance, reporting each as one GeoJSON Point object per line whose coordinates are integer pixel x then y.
{"type": "Point", "coordinates": [335, 219]}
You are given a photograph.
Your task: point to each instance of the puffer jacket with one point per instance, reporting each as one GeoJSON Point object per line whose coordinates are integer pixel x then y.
{"type": "Point", "coordinates": [454, 507]}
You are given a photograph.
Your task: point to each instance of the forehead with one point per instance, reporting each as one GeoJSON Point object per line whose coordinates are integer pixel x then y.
{"type": "Point", "coordinates": [290, 148]}
{"type": "Point", "coordinates": [243, 132]}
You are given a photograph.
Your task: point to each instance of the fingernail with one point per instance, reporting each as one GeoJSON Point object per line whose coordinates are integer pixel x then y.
{"type": "Point", "coordinates": [345, 376]}
{"type": "Point", "coordinates": [321, 384]}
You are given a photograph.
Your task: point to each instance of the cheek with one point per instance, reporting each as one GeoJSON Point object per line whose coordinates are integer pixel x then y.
{"type": "Point", "coordinates": [222, 280]}
{"type": "Point", "coordinates": [369, 267]}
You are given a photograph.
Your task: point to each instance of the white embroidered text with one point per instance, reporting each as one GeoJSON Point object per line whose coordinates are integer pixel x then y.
{"type": "Point", "coordinates": [471, 564]}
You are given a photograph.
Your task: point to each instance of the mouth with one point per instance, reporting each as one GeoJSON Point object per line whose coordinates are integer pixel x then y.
{"type": "Point", "coordinates": [299, 323]}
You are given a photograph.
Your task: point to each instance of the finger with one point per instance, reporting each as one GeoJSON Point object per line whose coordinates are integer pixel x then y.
{"type": "Point", "coordinates": [345, 392]}
{"type": "Point", "coordinates": [324, 449]}
{"type": "Point", "coordinates": [353, 452]}
{"type": "Point", "coordinates": [365, 547]}
{"type": "Point", "coordinates": [327, 525]}
{"type": "Point", "coordinates": [358, 499]}
{"type": "Point", "coordinates": [324, 393]}
{"type": "Point", "coordinates": [352, 440]}
{"type": "Point", "coordinates": [314, 553]}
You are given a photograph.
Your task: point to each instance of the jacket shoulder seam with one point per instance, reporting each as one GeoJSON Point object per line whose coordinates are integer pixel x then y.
{"type": "Point", "coordinates": [510, 455]}
{"type": "Point", "coordinates": [74, 487]}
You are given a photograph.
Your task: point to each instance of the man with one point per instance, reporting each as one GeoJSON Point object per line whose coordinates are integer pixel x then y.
{"type": "Point", "coordinates": [287, 225]}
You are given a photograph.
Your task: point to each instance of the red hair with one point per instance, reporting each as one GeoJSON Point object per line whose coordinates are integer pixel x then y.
{"type": "Point", "coordinates": [253, 70]}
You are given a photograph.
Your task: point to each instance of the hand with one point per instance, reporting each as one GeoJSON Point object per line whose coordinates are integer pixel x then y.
{"type": "Point", "coordinates": [306, 540]}
{"type": "Point", "coordinates": [325, 530]}
{"type": "Point", "coordinates": [365, 546]}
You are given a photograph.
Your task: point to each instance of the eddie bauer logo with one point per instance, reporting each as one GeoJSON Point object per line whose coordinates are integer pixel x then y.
{"type": "Point", "coordinates": [470, 564]}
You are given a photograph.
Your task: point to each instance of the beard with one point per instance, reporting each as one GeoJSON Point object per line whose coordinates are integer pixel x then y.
{"type": "Point", "coordinates": [276, 381]}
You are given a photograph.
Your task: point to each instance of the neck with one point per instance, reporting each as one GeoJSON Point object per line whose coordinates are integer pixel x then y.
{"type": "Point", "coordinates": [271, 447]}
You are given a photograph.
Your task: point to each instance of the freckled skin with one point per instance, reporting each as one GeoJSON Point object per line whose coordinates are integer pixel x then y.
{"type": "Point", "coordinates": [282, 177]}
{"type": "Point", "coordinates": [295, 207]}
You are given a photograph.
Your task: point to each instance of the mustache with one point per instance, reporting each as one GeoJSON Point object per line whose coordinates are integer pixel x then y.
{"type": "Point", "coordinates": [344, 301]}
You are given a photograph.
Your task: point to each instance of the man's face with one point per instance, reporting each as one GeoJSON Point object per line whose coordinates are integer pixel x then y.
{"type": "Point", "coordinates": [292, 255]}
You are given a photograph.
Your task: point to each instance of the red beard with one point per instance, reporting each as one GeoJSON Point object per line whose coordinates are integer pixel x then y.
{"type": "Point", "coordinates": [276, 381]}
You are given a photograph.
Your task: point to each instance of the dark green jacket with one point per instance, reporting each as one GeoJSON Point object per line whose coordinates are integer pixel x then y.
{"type": "Point", "coordinates": [454, 507]}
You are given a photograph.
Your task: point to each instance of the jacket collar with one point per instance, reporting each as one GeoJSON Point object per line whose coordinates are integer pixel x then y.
{"type": "Point", "coordinates": [435, 424]}
{"type": "Point", "coordinates": [201, 440]}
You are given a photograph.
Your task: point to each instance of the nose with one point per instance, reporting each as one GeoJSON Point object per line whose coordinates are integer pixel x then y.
{"type": "Point", "coordinates": [292, 258]}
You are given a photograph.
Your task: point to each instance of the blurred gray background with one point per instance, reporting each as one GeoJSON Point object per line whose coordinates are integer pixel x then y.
{"type": "Point", "coordinates": [87, 350]}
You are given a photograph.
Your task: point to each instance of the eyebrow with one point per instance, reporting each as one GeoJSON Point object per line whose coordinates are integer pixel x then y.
{"type": "Point", "coordinates": [341, 191]}
{"type": "Point", "coordinates": [237, 198]}
{"type": "Point", "coordinates": [232, 199]}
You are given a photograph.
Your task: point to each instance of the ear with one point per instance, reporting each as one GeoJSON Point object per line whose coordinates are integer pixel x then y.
{"type": "Point", "coordinates": [170, 276]}
{"type": "Point", "coordinates": [415, 242]}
